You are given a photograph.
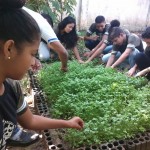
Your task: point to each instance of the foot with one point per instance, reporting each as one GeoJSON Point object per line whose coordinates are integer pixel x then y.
{"type": "Point", "coordinates": [25, 138]}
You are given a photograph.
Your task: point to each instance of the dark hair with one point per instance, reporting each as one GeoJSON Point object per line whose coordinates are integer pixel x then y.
{"type": "Point", "coordinates": [69, 39]}
{"type": "Point", "coordinates": [99, 19]}
{"type": "Point", "coordinates": [146, 33]}
{"type": "Point", "coordinates": [116, 31]}
{"type": "Point", "coordinates": [11, 4]}
{"type": "Point", "coordinates": [113, 23]}
{"type": "Point", "coordinates": [16, 24]}
{"type": "Point", "coordinates": [48, 18]}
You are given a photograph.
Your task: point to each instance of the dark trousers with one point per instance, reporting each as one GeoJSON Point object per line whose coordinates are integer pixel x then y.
{"type": "Point", "coordinates": [90, 44]}
{"type": "Point", "coordinates": [143, 61]}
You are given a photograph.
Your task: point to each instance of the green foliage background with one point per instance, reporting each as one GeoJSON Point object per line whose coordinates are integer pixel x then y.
{"type": "Point", "coordinates": [112, 105]}
{"type": "Point", "coordinates": [55, 8]}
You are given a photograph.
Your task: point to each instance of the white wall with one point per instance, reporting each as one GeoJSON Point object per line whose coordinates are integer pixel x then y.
{"type": "Point", "coordinates": [133, 14]}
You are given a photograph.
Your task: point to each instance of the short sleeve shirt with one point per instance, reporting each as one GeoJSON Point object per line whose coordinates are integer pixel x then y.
{"type": "Point", "coordinates": [12, 104]}
{"type": "Point", "coordinates": [108, 40]}
{"type": "Point", "coordinates": [93, 29]}
{"type": "Point", "coordinates": [132, 41]}
{"type": "Point", "coordinates": [47, 33]}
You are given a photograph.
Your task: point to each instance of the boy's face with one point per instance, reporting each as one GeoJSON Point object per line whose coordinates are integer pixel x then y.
{"type": "Point", "coordinates": [118, 40]}
{"type": "Point", "coordinates": [147, 41]}
{"type": "Point", "coordinates": [100, 26]}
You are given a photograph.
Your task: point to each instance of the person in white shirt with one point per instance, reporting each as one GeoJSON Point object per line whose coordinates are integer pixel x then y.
{"type": "Point", "coordinates": [50, 37]}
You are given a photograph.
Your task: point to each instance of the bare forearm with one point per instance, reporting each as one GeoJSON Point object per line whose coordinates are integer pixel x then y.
{"type": "Point", "coordinates": [120, 60]}
{"type": "Point", "coordinates": [110, 61]}
{"type": "Point", "coordinates": [61, 51]}
{"type": "Point", "coordinates": [41, 123]}
{"type": "Point", "coordinates": [88, 38]}
{"type": "Point", "coordinates": [122, 57]}
{"type": "Point", "coordinates": [143, 72]}
{"type": "Point", "coordinates": [76, 53]}
{"type": "Point", "coordinates": [35, 122]}
{"type": "Point", "coordinates": [98, 45]}
{"type": "Point", "coordinates": [97, 52]}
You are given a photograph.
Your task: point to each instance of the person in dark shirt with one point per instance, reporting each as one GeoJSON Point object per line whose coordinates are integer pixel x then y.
{"type": "Point", "coordinates": [105, 46]}
{"type": "Point", "coordinates": [100, 29]}
{"type": "Point", "coordinates": [126, 45]}
{"type": "Point", "coordinates": [66, 33]}
{"type": "Point", "coordinates": [142, 60]}
{"type": "Point", "coordinates": [19, 41]}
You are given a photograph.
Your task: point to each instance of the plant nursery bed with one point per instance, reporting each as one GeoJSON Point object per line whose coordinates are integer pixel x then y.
{"type": "Point", "coordinates": [115, 108]}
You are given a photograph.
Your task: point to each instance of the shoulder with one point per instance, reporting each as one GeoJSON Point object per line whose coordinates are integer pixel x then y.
{"type": "Point", "coordinates": [133, 38]}
{"type": "Point", "coordinates": [91, 29]}
{"type": "Point", "coordinates": [127, 32]}
{"type": "Point", "coordinates": [107, 25]}
{"type": "Point", "coordinates": [93, 26]}
{"type": "Point", "coordinates": [16, 88]}
{"type": "Point", "coordinates": [13, 83]}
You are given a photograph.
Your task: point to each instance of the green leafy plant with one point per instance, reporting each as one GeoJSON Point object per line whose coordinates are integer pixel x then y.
{"type": "Point", "coordinates": [57, 9]}
{"type": "Point", "coordinates": [112, 105]}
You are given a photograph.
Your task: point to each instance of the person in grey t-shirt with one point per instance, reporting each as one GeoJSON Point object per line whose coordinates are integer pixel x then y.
{"type": "Point", "coordinates": [125, 47]}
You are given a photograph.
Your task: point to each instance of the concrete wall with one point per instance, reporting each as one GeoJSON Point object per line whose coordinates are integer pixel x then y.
{"type": "Point", "coordinates": [133, 14]}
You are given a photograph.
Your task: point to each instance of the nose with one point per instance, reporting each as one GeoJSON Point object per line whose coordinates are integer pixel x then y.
{"type": "Point", "coordinates": [100, 28]}
{"type": "Point", "coordinates": [33, 61]}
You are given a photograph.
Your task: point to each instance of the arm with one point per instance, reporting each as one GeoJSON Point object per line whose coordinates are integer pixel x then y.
{"type": "Point", "coordinates": [97, 52]}
{"type": "Point", "coordinates": [50, 37]}
{"type": "Point", "coordinates": [76, 53]}
{"type": "Point", "coordinates": [62, 53]}
{"type": "Point", "coordinates": [110, 60]}
{"type": "Point", "coordinates": [97, 46]}
{"type": "Point", "coordinates": [122, 57]}
{"type": "Point", "coordinates": [105, 37]}
{"type": "Point", "coordinates": [35, 122]}
{"type": "Point", "coordinates": [143, 72]}
{"type": "Point", "coordinates": [89, 33]}
{"type": "Point", "coordinates": [94, 37]}
{"type": "Point", "coordinates": [132, 71]}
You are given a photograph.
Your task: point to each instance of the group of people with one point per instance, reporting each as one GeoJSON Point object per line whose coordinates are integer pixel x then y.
{"type": "Point", "coordinates": [112, 44]}
{"type": "Point", "coordinates": [24, 32]}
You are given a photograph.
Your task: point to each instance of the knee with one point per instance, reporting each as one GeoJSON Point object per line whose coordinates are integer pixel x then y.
{"type": "Point", "coordinates": [44, 58]}
{"type": "Point", "coordinates": [105, 58]}
{"type": "Point", "coordinates": [87, 43]}
{"type": "Point", "coordinates": [139, 57]}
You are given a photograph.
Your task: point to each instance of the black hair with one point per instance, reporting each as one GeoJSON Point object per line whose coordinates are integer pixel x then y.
{"type": "Point", "coordinates": [11, 4]}
{"type": "Point", "coordinates": [113, 23]}
{"type": "Point", "coordinates": [146, 33]}
{"type": "Point", "coordinates": [99, 19]}
{"type": "Point", "coordinates": [16, 24]}
{"type": "Point", "coordinates": [116, 31]}
{"type": "Point", "coordinates": [48, 18]}
{"type": "Point", "coordinates": [68, 39]}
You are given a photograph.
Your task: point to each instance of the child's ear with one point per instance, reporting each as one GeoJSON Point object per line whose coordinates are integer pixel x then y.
{"type": "Point", "coordinates": [8, 48]}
